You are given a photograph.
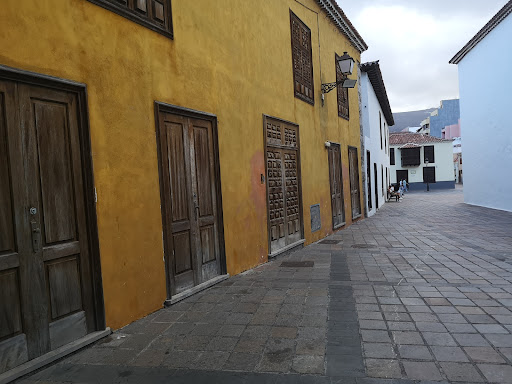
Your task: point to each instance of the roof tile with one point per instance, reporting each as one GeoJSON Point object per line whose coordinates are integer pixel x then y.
{"type": "Point", "coordinates": [401, 138]}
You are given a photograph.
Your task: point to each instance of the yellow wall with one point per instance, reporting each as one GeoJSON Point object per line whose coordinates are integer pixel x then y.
{"type": "Point", "coordinates": [233, 60]}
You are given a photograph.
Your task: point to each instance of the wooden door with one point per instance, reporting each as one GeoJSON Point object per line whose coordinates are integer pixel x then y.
{"type": "Point", "coordinates": [375, 184]}
{"type": "Point", "coordinates": [368, 180]}
{"type": "Point", "coordinates": [46, 293]}
{"type": "Point", "coordinates": [189, 200]}
{"type": "Point", "coordinates": [336, 181]}
{"type": "Point", "coordinates": [354, 182]}
{"type": "Point", "coordinates": [401, 175]}
{"type": "Point", "coordinates": [284, 203]}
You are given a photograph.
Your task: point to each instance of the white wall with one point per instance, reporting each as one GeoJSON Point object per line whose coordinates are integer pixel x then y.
{"type": "Point", "coordinates": [443, 157]}
{"type": "Point", "coordinates": [485, 84]}
{"type": "Point", "coordinates": [370, 109]}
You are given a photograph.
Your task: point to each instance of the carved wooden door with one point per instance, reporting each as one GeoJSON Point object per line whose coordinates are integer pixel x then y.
{"type": "Point", "coordinates": [336, 181]}
{"type": "Point", "coordinates": [46, 294]}
{"type": "Point", "coordinates": [189, 199]}
{"type": "Point", "coordinates": [354, 182]}
{"type": "Point", "coordinates": [283, 183]}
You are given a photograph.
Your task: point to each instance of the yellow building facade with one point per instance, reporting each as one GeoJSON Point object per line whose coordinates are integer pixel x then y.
{"type": "Point", "coordinates": [231, 60]}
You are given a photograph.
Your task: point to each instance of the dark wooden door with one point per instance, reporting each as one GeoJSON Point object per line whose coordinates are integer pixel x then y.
{"type": "Point", "coordinates": [46, 294]}
{"type": "Point", "coordinates": [189, 200]}
{"type": "Point", "coordinates": [401, 175]}
{"type": "Point", "coordinates": [368, 180]}
{"type": "Point", "coordinates": [375, 184]}
{"type": "Point", "coordinates": [283, 183]}
{"type": "Point", "coordinates": [429, 174]}
{"type": "Point", "coordinates": [353, 164]}
{"type": "Point", "coordinates": [336, 181]}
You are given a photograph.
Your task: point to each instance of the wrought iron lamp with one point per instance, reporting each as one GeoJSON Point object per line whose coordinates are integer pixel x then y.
{"type": "Point", "coordinates": [346, 65]}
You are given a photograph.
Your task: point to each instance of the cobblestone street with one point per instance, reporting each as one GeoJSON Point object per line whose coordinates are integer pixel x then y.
{"type": "Point", "coordinates": [420, 292]}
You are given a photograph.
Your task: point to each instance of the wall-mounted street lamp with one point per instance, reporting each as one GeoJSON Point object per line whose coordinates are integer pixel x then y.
{"type": "Point", "coordinates": [346, 65]}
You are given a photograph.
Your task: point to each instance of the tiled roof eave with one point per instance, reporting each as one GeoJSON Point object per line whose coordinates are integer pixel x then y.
{"type": "Point", "coordinates": [336, 15]}
{"type": "Point", "coordinates": [375, 77]}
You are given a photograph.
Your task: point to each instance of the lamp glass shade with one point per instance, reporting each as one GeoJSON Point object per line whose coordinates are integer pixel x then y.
{"type": "Point", "coordinates": [346, 64]}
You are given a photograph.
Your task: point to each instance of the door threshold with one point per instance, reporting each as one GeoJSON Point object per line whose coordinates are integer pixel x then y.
{"type": "Point", "coordinates": [189, 292]}
{"type": "Point", "coordinates": [289, 247]}
{"type": "Point", "coordinates": [51, 356]}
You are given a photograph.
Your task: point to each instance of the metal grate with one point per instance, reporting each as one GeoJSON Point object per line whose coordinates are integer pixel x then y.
{"type": "Point", "coordinates": [364, 246]}
{"type": "Point", "coordinates": [329, 242]}
{"type": "Point", "coordinates": [297, 264]}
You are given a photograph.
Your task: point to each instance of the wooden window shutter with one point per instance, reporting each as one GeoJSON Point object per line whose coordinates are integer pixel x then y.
{"type": "Point", "coordinates": [342, 92]}
{"type": "Point", "coordinates": [152, 14]}
{"type": "Point", "coordinates": [302, 60]}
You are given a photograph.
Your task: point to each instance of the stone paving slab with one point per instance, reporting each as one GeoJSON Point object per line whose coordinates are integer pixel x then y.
{"type": "Point", "coordinates": [419, 293]}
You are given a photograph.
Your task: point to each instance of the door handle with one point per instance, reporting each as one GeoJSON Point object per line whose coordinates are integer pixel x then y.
{"type": "Point", "coordinates": [36, 236]}
{"type": "Point", "coordinates": [196, 208]}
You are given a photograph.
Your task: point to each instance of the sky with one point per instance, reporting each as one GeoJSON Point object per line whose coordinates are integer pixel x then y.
{"type": "Point", "coordinates": [414, 40]}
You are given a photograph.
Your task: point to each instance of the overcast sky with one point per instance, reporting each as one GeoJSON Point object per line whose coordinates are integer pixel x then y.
{"type": "Point", "coordinates": [414, 40]}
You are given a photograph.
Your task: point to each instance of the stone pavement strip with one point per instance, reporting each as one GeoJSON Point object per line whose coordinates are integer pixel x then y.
{"type": "Point", "coordinates": [420, 292]}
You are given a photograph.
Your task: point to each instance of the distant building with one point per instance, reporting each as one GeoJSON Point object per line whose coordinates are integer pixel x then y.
{"type": "Point", "coordinates": [451, 131]}
{"type": "Point", "coordinates": [485, 103]}
{"type": "Point", "coordinates": [424, 126]}
{"type": "Point", "coordinates": [447, 114]}
{"type": "Point", "coordinates": [376, 119]}
{"type": "Point", "coordinates": [409, 153]}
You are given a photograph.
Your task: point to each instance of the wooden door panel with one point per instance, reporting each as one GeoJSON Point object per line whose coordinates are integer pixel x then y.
{"type": "Point", "coordinates": [203, 176]}
{"type": "Point", "coordinates": [276, 199]}
{"type": "Point", "coordinates": [6, 207]}
{"type": "Point", "coordinates": [182, 253]}
{"type": "Point", "coordinates": [292, 196]}
{"type": "Point", "coordinates": [64, 286]}
{"type": "Point", "coordinates": [208, 244]}
{"type": "Point", "coordinates": [56, 181]}
{"type": "Point", "coordinates": [204, 188]}
{"type": "Point", "coordinates": [10, 306]}
{"type": "Point", "coordinates": [177, 194]}
{"type": "Point", "coordinates": [354, 182]}
{"type": "Point", "coordinates": [177, 173]}
{"type": "Point", "coordinates": [340, 201]}
{"type": "Point", "coordinates": [335, 177]}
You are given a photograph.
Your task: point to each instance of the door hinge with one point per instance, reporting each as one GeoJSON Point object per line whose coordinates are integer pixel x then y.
{"type": "Point", "coordinates": [95, 195]}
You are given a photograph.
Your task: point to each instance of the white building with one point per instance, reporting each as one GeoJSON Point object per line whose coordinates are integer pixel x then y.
{"type": "Point", "coordinates": [409, 153]}
{"type": "Point", "coordinates": [485, 101]}
{"type": "Point", "coordinates": [376, 119]}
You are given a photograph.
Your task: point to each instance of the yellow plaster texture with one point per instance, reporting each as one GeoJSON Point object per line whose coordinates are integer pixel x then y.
{"type": "Point", "coordinates": [229, 58]}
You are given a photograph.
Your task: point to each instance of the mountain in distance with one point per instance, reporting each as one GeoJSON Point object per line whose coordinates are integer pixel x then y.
{"type": "Point", "coordinates": [409, 119]}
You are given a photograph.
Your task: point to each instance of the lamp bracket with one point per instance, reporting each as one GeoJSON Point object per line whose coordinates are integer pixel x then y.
{"type": "Point", "coordinates": [345, 83]}
{"type": "Point", "coordinates": [328, 87]}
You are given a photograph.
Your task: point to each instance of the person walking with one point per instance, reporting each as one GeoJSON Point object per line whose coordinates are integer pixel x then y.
{"type": "Point", "coordinates": [404, 185]}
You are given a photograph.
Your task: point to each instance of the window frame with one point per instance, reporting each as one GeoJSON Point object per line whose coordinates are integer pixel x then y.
{"type": "Point", "coordinates": [342, 93]}
{"type": "Point", "coordinates": [425, 157]}
{"type": "Point", "coordinates": [416, 160]}
{"type": "Point", "coordinates": [392, 160]}
{"type": "Point", "coordinates": [128, 13]}
{"type": "Point", "coordinates": [297, 93]}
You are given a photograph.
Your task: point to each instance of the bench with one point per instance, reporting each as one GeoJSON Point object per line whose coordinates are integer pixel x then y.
{"type": "Point", "coordinates": [396, 195]}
